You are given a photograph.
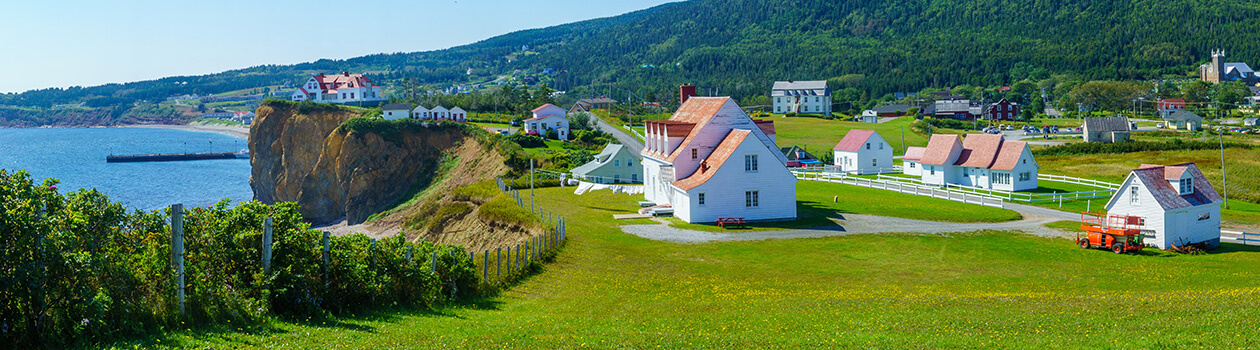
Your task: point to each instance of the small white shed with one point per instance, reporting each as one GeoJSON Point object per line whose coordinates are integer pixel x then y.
{"type": "Point", "coordinates": [863, 152]}
{"type": "Point", "coordinates": [1177, 204]}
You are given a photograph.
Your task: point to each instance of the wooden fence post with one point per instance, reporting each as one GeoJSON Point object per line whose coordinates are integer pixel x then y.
{"type": "Point", "coordinates": [485, 266]}
{"type": "Point", "coordinates": [266, 246]}
{"type": "Point", "coordinates": [409, 248]}
{"type": "Point", "coordinates": [433, 263]}
{"type": "Point", "coordinates": [177, 251]}
{"type": "Point", "coordinates": [498, 262]}
{"type": "Point", "coordinates": [327, 281]}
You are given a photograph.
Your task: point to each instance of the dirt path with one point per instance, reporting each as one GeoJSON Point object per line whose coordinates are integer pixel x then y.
{"type": "Point", "coordinates": [1034, 219]}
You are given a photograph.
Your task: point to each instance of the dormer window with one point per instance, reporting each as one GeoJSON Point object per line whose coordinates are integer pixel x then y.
{"type": "Point", "coordinates": [1187, 186]}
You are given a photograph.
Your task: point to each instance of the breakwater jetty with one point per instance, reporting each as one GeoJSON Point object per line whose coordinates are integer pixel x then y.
{"type": "Point", "coordinates": [172, 157]}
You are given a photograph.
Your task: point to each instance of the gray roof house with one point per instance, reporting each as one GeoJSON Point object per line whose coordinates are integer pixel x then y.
{"type": "Point", "coordinates": [615, 164]}
{"type": "Point", "coordinates": [1250, 122]}
{"type": "Point", "coordinates": [1183, 120]}
{"type": "Point", "coordinates": [1107, 129]}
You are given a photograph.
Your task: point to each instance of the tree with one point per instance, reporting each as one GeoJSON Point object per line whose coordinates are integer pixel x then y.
{"type": "Point", "coordinates": [1229, 95]}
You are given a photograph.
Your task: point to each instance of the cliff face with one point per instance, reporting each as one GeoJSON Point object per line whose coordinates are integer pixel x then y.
{"type": "Point", "coordinates": [300, 155]}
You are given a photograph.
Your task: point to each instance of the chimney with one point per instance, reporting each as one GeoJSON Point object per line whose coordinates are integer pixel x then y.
{"type": "Point", "coordinates": [685, 92]}
{"type": "Point", "coordinates": [345, 73]}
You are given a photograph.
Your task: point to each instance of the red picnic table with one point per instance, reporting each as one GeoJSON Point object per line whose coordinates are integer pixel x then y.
{"type": "Point", "coordinates": [722, 221]}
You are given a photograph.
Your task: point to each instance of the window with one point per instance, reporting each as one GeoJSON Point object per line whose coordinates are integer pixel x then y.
{"type": "Point", "coordinates": [931, 170]}
{"type": "Point", "coordinates": [634, 177]}
{"type": "Point", "coordinates": [693, 153]}
{"type": "Point", "coordinates": [1002, 178]}
{"type": "Point", "coordinates": [881, 145]}
{"type": "Point", "coordinates": [750, 199]}
{"type": "Point", "coordinates": [1133, 195]}
{"type": "Point", "coordinates": [700, 199]}
{"type": "Point", "coordinates": [911, 165]}
{"type": "Point", "coordinates": [1187, 186]}
{"type": "Point", "coordinates": [874, 161]}
{"type": "Point", "coordinates": [617, 162]}
{"type": "Point", "coordinates": [750, 163]}
{"type": "Point", "coordinates": [629, 163]}
{"type": "Point", "coordinates": [1025, 176]}
{"type": "Point", "coordinates": [965, 172]}
{"type": "Point", "coordinates": [1205, 216]}
{"type": "Point", "coordinates": [557, 124]}
{"type": "Point", "coordinates": [617, 178]}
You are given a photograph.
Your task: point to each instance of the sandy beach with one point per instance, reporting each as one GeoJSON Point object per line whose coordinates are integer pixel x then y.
{"type": "Point", "coordinates": [234, 131]}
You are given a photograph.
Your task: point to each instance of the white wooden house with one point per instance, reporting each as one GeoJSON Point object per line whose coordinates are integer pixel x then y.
{"type": "Point", "coordinates": [420, 113]}
{"type": "Point", "coordinates": [806, 97]}
{"type": "Point", "coordinates": [863, 152]}
{"type": "Point", "coordinates": [1177, 204]}
{"type": "Point", "coordinates": [440, 113]}
{"type": "Point", "coordinates": [712, 160]}
{"type": "Point", "coordinates": [910, 162]}
{"type": "Point", "coordinates": [549, 109]}
{"type": "Point", "coordinates": [980, 160]}
{"type": "Point", "coordinates": [395, 111]}
{"type": "Point", "coordinates": [615, 164]}
{"type": "Point", "coordinates": [459, 115]}
{"type": "Point", "coordinates": [540, 125]}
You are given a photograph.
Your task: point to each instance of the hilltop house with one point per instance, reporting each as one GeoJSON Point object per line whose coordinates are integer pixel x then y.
{"type": "Point", "coordinates": [910, 162]}
{"type": "Point", "coordinates": [1002, 110]}
{"type": "Point", "coordinates": [1183, 120]}
{"type": "Point", "coordinates": [863, 152]}
{"type": "Point", "coordinates": [1176, 203]}
{"type": "Point", "coordinates": [439, 113]}
{"type": "Point", "coordinates": [711, 160]}
{"type": "Point", "coordinates": [1107, 129]}
{"type": "Point", "coordinates": [590, 104]}
{"type": "Point", "coordinates": [808, 97]}
{"type": "Point", "coordinates": [1218, 71]}
{"type": "Point", "coordinates": [395, 111]}
{"type": "Point", "coordinates": [952, 109]}
{"type": "Point", "coordinates": [548, 117]}
{"type": "Point", "coordinates": [343, 88]}
{"type": "Point", "coordinates": [1250, 122]}
{"type": "Point", "coordinates": [615, 164]}
{"type": "Point", "coordinates": [869, 116]}
{"type": "Point", "coordinates": [984, 161]}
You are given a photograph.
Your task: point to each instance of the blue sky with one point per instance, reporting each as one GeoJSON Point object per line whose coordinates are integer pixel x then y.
{"type": "Point", "coordinates": [86, 43]}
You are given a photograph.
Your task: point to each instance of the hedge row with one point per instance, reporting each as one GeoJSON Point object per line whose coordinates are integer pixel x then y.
{"type": "Point", "coordinates": [1081, 148]}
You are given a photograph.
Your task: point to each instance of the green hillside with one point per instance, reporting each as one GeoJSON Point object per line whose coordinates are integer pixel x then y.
{"type": "Point", "coordinates": [739, 47]}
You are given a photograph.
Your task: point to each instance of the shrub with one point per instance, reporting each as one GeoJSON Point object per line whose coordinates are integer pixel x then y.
{"type": "Point", "coordinates": [1133, 146]}
{"type": "Point", "coordinates": [79, 267]}
{"type": "Point", "coordinates": [503, 209]}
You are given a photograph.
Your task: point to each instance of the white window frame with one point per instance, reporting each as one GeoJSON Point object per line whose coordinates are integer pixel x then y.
{"type": "Point", "coordinates": [751, 199]}
{"type": "Point", "coordinates": [1133, 196]}
{"type": "Point", "coordinates": [750, 163]}
{"type": "Point", "coordinates": [700, 199]}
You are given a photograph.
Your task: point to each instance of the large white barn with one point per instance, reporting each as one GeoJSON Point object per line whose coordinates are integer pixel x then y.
{"type": "Point", "coordinates": [711, 160]}
{"type": "Point", "coordinates": [1176, 203]}
{"type": "Point", "coordinates": [863, 152]}
{"type": "Point", "coordinates": [981, 160]}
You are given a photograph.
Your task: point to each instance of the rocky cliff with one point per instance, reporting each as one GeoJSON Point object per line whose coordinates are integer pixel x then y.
{"type": "Point", "coordinates": [300, 152]}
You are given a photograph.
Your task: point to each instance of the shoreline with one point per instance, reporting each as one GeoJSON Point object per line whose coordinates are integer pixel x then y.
{"type": "Point", "coordinates": [234, 131]}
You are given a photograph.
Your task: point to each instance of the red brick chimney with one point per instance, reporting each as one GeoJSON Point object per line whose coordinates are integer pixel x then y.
{"type": "Point", "coordinates": [685, 92]}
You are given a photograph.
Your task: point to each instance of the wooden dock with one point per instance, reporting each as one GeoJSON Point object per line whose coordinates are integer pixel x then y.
{"type": "Point", "coordinates": [168, 157]}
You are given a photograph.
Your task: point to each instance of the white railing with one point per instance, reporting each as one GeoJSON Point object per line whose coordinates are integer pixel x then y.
{"type": "Point", "coordinates": [1029, 197]}
{"type": "Point", "coordinates": [1077, 180]}
{"type": "Point", "coordinates": [1240, 237]}
{"type": "Point", "coordinates": [901, 187]}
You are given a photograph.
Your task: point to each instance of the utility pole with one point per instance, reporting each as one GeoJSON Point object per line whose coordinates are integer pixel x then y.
{"type": "Point", "coordinates": [903, 140]}
{"type": "Point", "coordinates": [1224, 183]}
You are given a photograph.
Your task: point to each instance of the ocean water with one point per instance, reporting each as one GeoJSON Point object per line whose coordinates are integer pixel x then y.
{"type": "Point", "coordinates": [77, 158]}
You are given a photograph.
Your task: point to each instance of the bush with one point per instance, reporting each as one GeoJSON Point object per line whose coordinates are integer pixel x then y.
{"type": "Point", "coordinates": [100, 272]}
{"type": "Point", "coordinates": [526, 141]}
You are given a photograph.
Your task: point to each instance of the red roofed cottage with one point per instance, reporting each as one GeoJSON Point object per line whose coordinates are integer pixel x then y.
{"type": "Point", "coordinates": [863, 152]}
{"type": "Point", "coordinates": [711, 160]}
{"type": "Point", "coordinates": [980, 160]}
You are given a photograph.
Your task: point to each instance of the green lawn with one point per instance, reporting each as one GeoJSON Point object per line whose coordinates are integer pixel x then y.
{"type": "Point", "coordinates": [821, 135]}
{"type": "Point", "coordinates": [608, 289]}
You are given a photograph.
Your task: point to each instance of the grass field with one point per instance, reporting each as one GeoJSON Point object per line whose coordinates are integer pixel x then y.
{"type": "Point", "coordinates": [821, 135]}
{"type": "Point", "coordinates": [608, 289]}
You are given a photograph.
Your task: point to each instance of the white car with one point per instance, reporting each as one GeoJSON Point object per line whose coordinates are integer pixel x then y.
{"type": "Point", "coordinates": [1159, 125]}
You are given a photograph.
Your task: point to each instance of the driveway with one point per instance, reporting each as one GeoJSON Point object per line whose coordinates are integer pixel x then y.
{"type": "Point", "coordinates": [626, 139]}
{"type": "Point", "coordinates": [1032, 223]}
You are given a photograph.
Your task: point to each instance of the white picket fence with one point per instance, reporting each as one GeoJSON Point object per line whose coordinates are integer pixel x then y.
{"type": "Point", "coordinates": [964, 194]}
{"type": "Point", "coordinates": [901, 187]}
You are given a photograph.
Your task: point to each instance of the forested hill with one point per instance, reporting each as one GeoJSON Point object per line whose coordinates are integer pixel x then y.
{"type": "Point", "coordinates": [740, 47]}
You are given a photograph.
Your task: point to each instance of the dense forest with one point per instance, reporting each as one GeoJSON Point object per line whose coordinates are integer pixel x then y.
{"type": "Point", "coordinates": [739, 47]}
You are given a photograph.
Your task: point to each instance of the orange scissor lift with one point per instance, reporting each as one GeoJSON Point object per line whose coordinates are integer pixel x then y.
{"type": "Point", "coordinates": [1119, 233]}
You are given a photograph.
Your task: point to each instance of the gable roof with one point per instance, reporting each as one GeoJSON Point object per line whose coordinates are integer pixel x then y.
{"type": "Point", "coordinates": [1238, 67]}
{"type": "Point", "coordinates": [797, 153]}
{"type": "Point", "coordinates": [710, 165]}
{"type": "Point", "coordinates": [799, 88]}
{"type": "Point", "coordinates": [1008, 157]}
{"type": "Point", "coordinates": [544, 117]}
{"type": "Point", "coordinates": [1183, 115]}
{"type": "Point", "coordinates": [979, 150]}
{"type": "Point", "coordinates": [1155, 179]}
{"type": "Point", "coordinates": [939, 148]}
{"type": "Point", "coordinates": [913, 154]}
{"type": "Point", "coordinates": [395, 106]}
{"type": "Point", "coordinates": [766, 126]}
{"type": "Point", "coordinates": [853, 140]}
{"type": "Point", "coordinates": [1120, 123]}
{"type": "Point", "coordinates": [603, 158]}
{"type": "Point", "coordinates": [545, 106]}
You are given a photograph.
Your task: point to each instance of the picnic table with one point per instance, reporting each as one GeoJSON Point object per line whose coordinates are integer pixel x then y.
{"type": "Point", "coordinates": [722, 221]}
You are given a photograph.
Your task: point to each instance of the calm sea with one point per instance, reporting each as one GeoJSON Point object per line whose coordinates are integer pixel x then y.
{"type": "Point", "coordinates": [77, 158]}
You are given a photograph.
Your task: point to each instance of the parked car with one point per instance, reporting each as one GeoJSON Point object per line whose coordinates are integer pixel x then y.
{"type": "Point", "coordinates": [1032, 131]}
{"type": "Point", "coordinates": [1159, 125]}
{"type": "Point", "coordinates": [516, 123]}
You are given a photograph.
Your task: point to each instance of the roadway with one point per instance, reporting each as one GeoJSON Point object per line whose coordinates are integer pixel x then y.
{"type": "Point", "coordinates": [626, 138]}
